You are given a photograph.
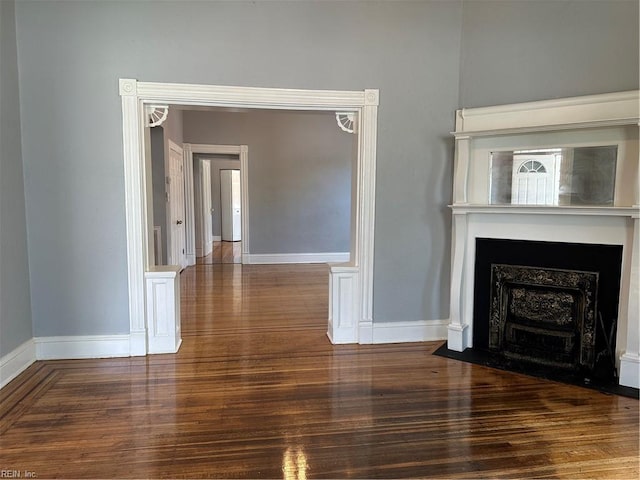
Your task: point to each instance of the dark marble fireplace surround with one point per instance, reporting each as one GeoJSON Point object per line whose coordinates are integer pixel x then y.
{"type": "Point", "coordinates": [547, 308]}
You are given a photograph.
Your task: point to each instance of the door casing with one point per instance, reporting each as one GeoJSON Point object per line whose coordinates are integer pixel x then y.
{"type": "Point", "coordinates": [351, 284]}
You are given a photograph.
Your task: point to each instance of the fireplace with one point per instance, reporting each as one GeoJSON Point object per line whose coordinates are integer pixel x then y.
{"type": "Point", "coordinates": [561, 172]}
{"type": "Point", "coordinates": [548, 307]}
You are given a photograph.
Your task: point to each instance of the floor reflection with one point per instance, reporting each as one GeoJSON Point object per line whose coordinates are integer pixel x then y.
{"type": "Point", "coordinates": [294, 463]}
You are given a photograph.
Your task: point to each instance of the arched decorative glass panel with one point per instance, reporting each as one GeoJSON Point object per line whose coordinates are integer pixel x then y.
{"type": "Point", "coordinates": [532, 166]}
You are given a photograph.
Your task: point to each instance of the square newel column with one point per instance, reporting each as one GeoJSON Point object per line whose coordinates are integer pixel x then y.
{"type": "Point", "coordinates": [163, 308]}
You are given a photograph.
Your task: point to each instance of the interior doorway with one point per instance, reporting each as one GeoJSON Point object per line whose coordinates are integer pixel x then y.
{"type": "Point", "coordinates": [230, 211]}
{"type": "Point", "coordinates": [219, 157]}
{"type": "Point", "coordinates": [225, 218]}
{"type": "Point", "coordinates": [351, 284]}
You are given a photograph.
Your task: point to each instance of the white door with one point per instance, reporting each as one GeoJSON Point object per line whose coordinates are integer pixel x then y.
{"type": "Point", "coordinates": [230, 202]}
{"type": "Point", "coordinates": [176, 208]}
{"type": "Point", "coordinates": [207, 227]}
{"type": "Point", "coordinates": [534, 180]}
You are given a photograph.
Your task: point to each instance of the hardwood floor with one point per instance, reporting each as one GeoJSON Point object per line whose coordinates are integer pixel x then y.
{"type": "Point", "coordinates": [223, 252]}
{"type": "Point", "coordinates": [257, 391]}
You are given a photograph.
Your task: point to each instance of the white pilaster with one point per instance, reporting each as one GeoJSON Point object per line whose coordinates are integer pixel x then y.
{"type": "Point", "coordinates": [163, 308]}
{"type": "Point", "coordinates": [343, 304]}
{"type": "Point", "coordinates": [366, 212]}
{"type": "Point", "coordinates": [457, 329]}
{"type": "Point", "coordinates": [136, 221]}
{"type": "Point", "coordinates": [461, 169]}
{"type": "Point", "coordinates": [630, 359]}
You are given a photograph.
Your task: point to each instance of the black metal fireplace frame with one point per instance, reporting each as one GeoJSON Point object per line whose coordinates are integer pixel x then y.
{"type": "Point", "coordinates": [606, 260]}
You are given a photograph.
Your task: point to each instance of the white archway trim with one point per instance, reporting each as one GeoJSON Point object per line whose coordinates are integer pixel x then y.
{"type": "Point", "coordinates": [242, 151]}
{"type": "Point", "coordinates": [351, 292]}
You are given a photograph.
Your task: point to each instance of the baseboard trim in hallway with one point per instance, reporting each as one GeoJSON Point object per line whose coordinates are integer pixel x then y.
{"type": "Point", "coordinates": [275, 258]}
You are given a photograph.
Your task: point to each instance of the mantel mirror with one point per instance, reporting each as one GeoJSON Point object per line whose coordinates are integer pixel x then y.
{"type": "Point", "coordinates": [578, 176]}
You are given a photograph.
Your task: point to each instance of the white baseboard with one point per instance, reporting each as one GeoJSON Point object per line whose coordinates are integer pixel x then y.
{"type": "Point", "coordinates": [629, 370]}
{"type": "Point", "coordinates": [208, 248]}
{"type": "Point", "coordinates": [89, 346]}
{"type": "Point", "coordinates": [457, 337]}
{"type": "Point", "coordinates": [413, 331]}
{"type": "Point", "coordinates": [16, 361]}
{"type": "Point", "coordinates": [271, 258]}
{"type": "Point", "coordinates": [217, 238]}
{"type": "Point", "coordinates": [392, 332]}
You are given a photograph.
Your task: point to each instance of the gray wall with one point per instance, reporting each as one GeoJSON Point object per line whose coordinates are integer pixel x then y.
{"type": "Point", "coordinates": [218, 162]}
{"type": "Point", "coordinates": [15, 308]}
{"type": "Point", "coordinates": [71, 55]}
{"type": "Point", "coordinates": [159, 186]}
{"type": "Point", "coordinates": [525, 50]}
{"type": "Point", "coordinates": [299, 175]}
{"type": "Point", "coordinates": [171, 129]}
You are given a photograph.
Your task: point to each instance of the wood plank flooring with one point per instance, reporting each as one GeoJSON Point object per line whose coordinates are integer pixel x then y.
{"type": "Point", "coordinates": [257, 391]}
{"type": "Point", "coordinates": [223, 252]}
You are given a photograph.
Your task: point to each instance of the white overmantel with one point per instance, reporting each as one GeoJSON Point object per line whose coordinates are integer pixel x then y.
{"type": "Point", "coordinates": [580, 121]}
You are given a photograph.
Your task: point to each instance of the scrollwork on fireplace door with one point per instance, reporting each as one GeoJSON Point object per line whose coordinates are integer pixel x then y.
{"type": "Point", "coordinates": [543, 315]}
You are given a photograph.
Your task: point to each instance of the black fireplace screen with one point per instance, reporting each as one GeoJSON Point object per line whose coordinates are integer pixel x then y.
{"type": "Point", "coordinates": [544, 315]}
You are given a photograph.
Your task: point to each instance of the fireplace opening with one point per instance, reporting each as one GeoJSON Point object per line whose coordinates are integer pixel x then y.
{"type": "Point", "coordinates": [548, 308]}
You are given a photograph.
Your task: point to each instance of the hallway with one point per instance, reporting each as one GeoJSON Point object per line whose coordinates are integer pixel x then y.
{"type": "Point", "coordinates": [223, 252]}
{"type": "Point", "coordinates": [249, 299]}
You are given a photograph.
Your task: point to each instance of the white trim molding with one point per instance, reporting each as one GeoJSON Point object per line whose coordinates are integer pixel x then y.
{"type": "Point", "coordinates": [137, 223]}
{"type": "Point", "coordinates": [135, 95]}
{"type": "Point", "coordinates": [346, 121]}
{"type": "Point", "coordinates": [630, 370]}
{"type": "Point", "coordinates": [17, 361]}
{"type": "Point", "coordinates": [82, 346]}
{"type": "Point", "coordinates": [156, 115]}
{"type": "Point", "coordinates": [589, 111]}
{"type": "Point", "coordinates": [411, 331]}
{"type": "Point", "coordinates": [273, 258]}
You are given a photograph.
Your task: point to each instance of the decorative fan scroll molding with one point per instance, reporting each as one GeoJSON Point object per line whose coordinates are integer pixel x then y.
{"type": "Point", "coordinates": [346, 121]}
{"type": "Point", "coordinates": [157, 114]}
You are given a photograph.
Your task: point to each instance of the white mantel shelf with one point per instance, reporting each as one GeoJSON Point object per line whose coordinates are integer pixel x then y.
{"type": "Point", "coordinates": [463, 209]}
{"type": "Point", "coordinates": [545, 128]}
{"type": "Point", "coordinates": [589, 111]}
